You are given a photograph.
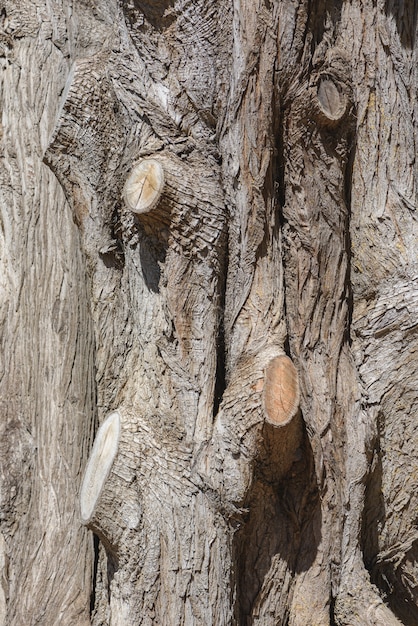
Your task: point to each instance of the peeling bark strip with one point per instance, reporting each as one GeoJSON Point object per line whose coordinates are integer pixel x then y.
{"type": "Point", "coordinates": [237, 306]}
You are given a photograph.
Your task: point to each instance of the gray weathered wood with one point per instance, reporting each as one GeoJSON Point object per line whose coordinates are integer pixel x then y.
{"type": "Point", "coordinates": [249, 325]}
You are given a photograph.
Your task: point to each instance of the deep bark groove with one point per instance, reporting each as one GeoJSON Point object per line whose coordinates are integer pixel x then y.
{"type": "Point", "coordinates": [236, 309]}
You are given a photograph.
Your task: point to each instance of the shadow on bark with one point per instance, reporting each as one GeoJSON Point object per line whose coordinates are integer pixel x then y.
{"type": "Point", "coordinates": [390, 573]}
{"type": "Point", "coordinates": [388, 569]}
{"type": "Point", "coordinates": [280, 536]}
{"type": "Point", "coordinates": [405, 15]}
{"type": "Point", "coordinates": [373, 515]}
{"type": "Point", "coordinates": [150, 263]}
{"type": "Point", "coordinates": [157, 12]}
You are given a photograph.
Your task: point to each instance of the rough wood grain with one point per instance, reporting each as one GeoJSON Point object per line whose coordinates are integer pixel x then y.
{"type": "Point", "coordinates": [46, 370]}
{"type": "Point", "coordinates": [252, 326]}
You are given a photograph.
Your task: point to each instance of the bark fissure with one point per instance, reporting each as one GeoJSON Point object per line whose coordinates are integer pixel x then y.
{"type": "Point", "coordinates": [239, 300]}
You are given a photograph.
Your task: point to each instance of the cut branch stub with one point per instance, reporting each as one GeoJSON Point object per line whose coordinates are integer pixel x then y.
{"type": "Point", "coordinates": [281, 391]}
{"type": "Point", "coordinates": [109, 500]}
{"type": "Point", "coordinates": [332, 100]}
{"type": "Point", "coordinates": [99, 465]}
{"type": "Point", "coordinates": [144, 186]}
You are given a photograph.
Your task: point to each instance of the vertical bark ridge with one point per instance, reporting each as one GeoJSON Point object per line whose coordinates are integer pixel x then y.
{"type": "Point", "coordinates": [383, 233]}
{"type": "Point", "coordinates": [46, 380]}
{"type": "Point", "coordinates": [156, 318]}
{"type": "Point", "coordinates": [247, 145]}
{"type": "Point", "coordinates": [317, 131]}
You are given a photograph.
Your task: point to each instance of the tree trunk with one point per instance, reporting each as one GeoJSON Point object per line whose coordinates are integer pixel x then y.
{"type": "Point", "coordinates": [208, 243]}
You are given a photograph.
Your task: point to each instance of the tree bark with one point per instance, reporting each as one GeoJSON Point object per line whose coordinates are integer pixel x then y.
{"type": "Point", "coordinates": [208, 247]}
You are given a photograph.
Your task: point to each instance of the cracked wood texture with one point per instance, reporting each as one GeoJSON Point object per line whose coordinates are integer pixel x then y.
{"type": "Point", "coordinates": [252, 333]}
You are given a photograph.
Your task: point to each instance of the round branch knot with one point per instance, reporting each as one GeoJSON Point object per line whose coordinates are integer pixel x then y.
{"type": "Point", "coordinates": [281, 391]}
{"type": "Point", "coordinates": [332, 100]}
{"type": "Point", "coordinates": [144, 186]}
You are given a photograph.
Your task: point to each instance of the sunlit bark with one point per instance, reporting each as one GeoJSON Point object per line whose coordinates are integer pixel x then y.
{"type": "Point", "coordinates": [208, 246]}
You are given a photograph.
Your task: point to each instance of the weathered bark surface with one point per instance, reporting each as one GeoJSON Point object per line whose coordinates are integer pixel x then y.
{"type": "Point", "coordinates": [46, 372]}
{"type": "Point", "coordinates": [251, 330]}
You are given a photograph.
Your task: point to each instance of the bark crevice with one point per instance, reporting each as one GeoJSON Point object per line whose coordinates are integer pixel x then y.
{"type": "Point", "coordinates": [247, 303]}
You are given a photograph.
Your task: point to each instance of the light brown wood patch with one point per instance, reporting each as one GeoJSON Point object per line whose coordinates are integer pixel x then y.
{"type": "Point", "coordinates": [281, 391]}
{"type": "Point", "coordinates": [144, 186]}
